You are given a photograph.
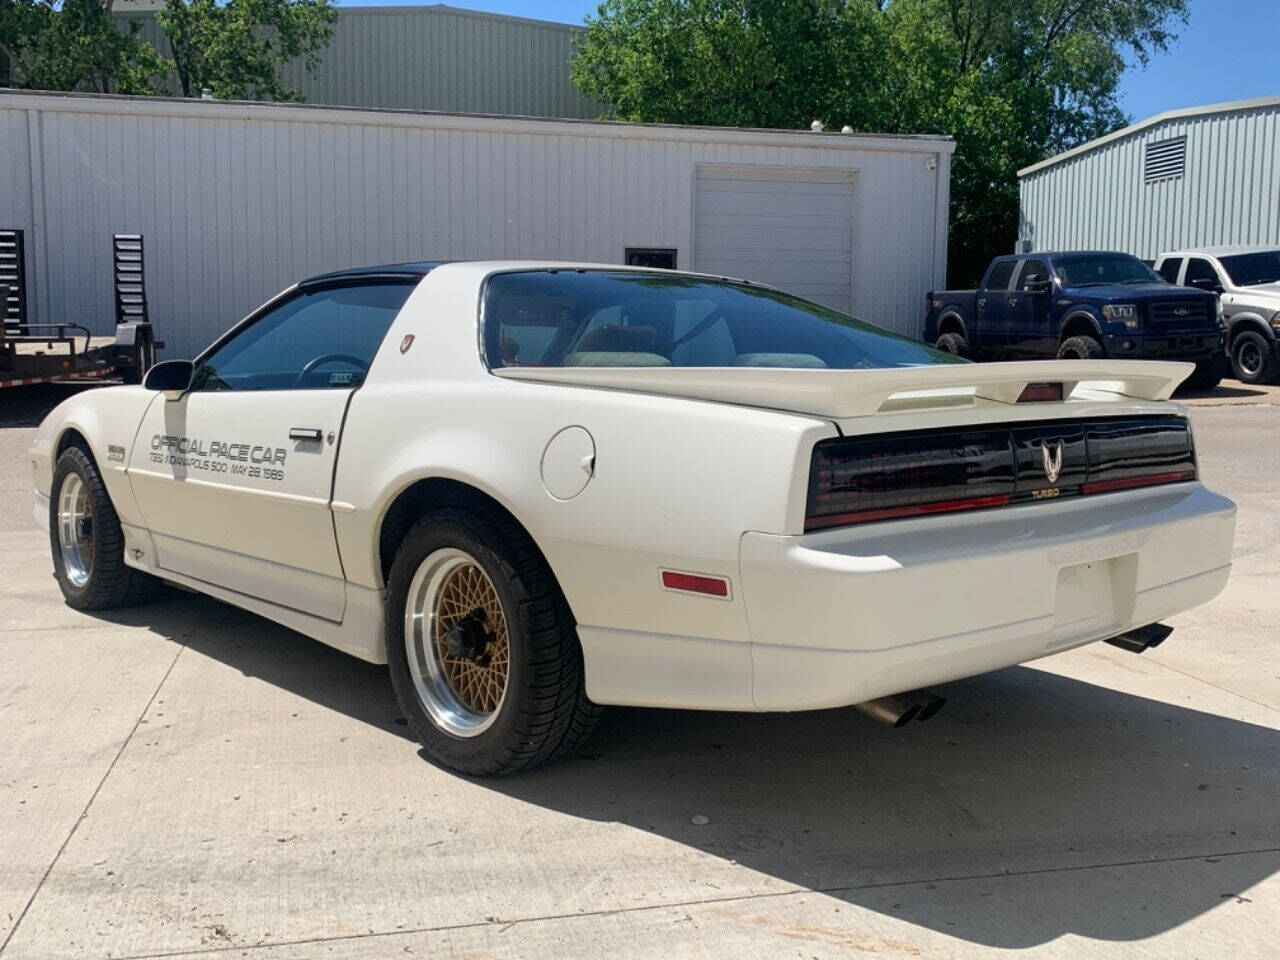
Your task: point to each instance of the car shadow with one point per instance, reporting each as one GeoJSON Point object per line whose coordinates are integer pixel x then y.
{"type": "Point", "coordinates": [1233, 390]}
{"type": "Point", "coordinates": [1088, 796]}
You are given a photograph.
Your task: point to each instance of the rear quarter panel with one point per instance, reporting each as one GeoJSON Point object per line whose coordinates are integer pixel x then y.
{"type": "Point", "coordinates": [675, 484]}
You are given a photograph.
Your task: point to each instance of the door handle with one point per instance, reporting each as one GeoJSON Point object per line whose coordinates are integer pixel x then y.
{"type": "Point", "coordinates": [306, 433]}
{"type": "Point", "coordinates": [1013, 301]}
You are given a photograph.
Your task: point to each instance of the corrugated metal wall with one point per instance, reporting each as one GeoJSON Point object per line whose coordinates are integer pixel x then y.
{"type": "Point", "coordinates": [435, 58]}
{"type": "Point", "coordinates": [237, 201]}
{"type": "Point", "coordinates": [1229, 192]}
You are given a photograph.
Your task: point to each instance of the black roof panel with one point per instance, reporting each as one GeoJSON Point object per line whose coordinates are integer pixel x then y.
{"type": "Point", "coordinates": [412, 269]}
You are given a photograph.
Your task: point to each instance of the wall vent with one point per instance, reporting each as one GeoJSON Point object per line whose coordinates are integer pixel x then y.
{"type": "Point", "coordinates": [1164, 160]}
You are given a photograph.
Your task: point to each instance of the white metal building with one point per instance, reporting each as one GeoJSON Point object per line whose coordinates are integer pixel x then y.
{"type": "Point", "coordinates": [1204, 176]}
{"type": "Point", "coordinates": [238, 200]}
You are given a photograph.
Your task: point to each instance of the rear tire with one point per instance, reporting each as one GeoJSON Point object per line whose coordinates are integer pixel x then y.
{"type": "Point", "coordinates": [1253, 358]}
{"type": "Point", "coordinates": [482, 647]}
{"type": "Point", "coordinates": [1081, 348]}
{"type": "Point", "coordinates": [87, 541]}
{"type": "Point", "coordinates": [954, 343]}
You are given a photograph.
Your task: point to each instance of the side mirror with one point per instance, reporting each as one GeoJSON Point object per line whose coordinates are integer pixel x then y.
{"type": "Point", "coordinates": [1204, 283]}
{"type": "Point", "coordinates": [1038, 284]}
{"type": "Point", "coordinates": [172, 378]}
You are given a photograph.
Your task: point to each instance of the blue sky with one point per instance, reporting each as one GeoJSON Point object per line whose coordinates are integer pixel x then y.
{"type": "Point", "coordinates": [1227, 52]}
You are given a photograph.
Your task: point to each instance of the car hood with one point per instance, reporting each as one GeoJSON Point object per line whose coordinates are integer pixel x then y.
{"type": "Point", "coordinates": [1135, 292]}
{"type": "Point", "coordinates": [841, 394]}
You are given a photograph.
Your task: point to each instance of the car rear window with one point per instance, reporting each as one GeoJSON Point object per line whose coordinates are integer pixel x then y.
{"type": "Point", "coordinates": [605, 318]}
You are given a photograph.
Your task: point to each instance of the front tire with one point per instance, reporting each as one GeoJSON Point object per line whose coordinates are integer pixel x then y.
{"type": "Point", "coordinates": [482, 648]}
{"type": "Point", "coordinates": [1207, 374]}
{"type": "Point", "coordinates": [87, 541]}
{"type": "Point", "coordinates": [1253, 358]}
{"type": "Point", "coordinates": [1081, 348]}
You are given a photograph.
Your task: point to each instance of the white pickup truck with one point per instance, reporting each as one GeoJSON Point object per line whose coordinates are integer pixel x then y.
{"type": "Point", "coordinates": [536, 488]}
{"type": "Point", "coordinates": [1247, 280]}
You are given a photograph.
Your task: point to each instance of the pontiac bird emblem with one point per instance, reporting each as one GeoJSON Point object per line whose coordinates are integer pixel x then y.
{"type": "Point", "coordinates": [1052, 461]}
{"type": "Point", "coordinates": [406, 343]}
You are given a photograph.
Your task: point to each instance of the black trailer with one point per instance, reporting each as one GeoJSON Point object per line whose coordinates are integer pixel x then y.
{"type": "Point", "coordinates": [38, 352]}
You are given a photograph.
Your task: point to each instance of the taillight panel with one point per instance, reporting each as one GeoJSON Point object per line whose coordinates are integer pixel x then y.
{"type": "Point", "coordinates": [891, 476]}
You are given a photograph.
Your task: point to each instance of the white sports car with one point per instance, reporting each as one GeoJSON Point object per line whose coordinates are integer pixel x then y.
{"type": "Point", "coordinates": [536, 488]}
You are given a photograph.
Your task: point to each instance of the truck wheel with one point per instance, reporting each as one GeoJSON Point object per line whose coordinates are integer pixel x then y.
{"type": "Point", "coordinates": [87, 542]}
{"type": "Point", "coordinates": [1207, 374]}
{"type": "Point", "coordinates": [482, 647]}
{"type": "Point", "coordinates": [1253, 359]}
{"type": "Point", "coordinates": [1081, 348]}
{"type": "Point", "coordinates": [953, 343]}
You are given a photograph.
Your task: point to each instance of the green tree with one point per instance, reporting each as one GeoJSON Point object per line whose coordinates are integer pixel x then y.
{"type": "Point", "coordinates": [1013, 81]}
{"type": "Point", "coordinates": [74, 45]}
{"type": "Point", "coordinates": [236, 47]}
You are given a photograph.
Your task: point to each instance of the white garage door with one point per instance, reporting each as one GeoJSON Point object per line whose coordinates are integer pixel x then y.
{"type": "Point", "coordinates": [785, 226]}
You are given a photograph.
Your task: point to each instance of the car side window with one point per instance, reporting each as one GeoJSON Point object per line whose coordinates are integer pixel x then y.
{"type": "Point", "coordinates": [1200, 269]}
{"type": "Point", "coordinates": [1001, 274]}
{"type": "Point", "coordinates": [1032, 268]}
{"type": "Point", "coordinates": [321, 339]}
{"type": "Point", "coordinates": [1169, 269]}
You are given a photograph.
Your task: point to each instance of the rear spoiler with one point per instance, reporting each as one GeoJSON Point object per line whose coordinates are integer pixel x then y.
{"type": "Point", "coordinates": [859, 393]}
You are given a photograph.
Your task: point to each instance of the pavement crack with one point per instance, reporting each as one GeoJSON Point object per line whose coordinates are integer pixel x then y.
{"type": "Point", "coordinates": [92, 797]}
{"type": "Point", "coordinates": [502, 924]}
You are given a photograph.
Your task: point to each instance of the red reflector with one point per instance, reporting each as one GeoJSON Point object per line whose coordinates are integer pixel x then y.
{"type": "Point", "coordinates": [1041, 393]}
{"type": "Point", "coordinates": [1128, 483]}
{"type": "Point", "coordinates": [692, 583]}
{"type": "Point", "coordinates": [910, 510]}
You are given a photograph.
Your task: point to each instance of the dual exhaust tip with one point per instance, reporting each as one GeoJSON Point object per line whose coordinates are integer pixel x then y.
{"type": "Point", "coordinates": [899, 709]}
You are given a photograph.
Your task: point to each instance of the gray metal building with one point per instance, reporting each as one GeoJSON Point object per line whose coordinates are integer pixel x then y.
{"type": "Point", "coordinates": [238, 200]}
{"type": "Point", "coordinates": [429, 58]}
{"type": "Point", "coordinates": [1187, 178]}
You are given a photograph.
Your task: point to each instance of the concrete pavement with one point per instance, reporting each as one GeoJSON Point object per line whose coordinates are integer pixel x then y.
{"type": "Point", "coordinates": [187, 779]}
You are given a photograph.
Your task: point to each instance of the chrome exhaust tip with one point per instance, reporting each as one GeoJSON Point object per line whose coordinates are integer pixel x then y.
{"type": "Point", "coordinates": [1141, 639]}
{"type": "Point", "coordinates": [899, 709]}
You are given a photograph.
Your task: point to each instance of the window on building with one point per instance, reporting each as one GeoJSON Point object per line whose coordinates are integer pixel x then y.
{"type": "Point", "coordinates": [1164, 160]}
{"type": "Point", "coordinates": [662, 257]}
{"type": "Point", "coordinates": [1169, 269]}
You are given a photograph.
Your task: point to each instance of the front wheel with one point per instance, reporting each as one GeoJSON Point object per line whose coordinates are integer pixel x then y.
{"type": "Point", "coordinates": [87, 541]}
{"type": "Point", "coordinates": [1207, 374]}
{"type": "Point", "coordinates": [1081, 348]}
{"type": "Point", "coordinates": [482, 648]}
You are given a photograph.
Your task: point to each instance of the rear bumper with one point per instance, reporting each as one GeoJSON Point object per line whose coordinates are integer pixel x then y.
{"type": "Point", "coordinates": [847, 615]}
{"type": "Point", "coordinates": [1171, 346]}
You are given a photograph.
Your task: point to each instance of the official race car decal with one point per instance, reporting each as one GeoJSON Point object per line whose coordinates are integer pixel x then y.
{"type": "Point", "coordinates": [219, 456]}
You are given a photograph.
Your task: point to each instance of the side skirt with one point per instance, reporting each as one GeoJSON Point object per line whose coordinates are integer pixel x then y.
{"type": "Point", "coordinates": [359, 633]}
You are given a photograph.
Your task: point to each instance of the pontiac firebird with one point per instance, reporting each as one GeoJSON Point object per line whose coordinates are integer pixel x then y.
{"type": "Point", "coordinates": [533, 489]}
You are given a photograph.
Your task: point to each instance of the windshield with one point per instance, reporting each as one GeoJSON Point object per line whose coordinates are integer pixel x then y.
{"type": "Point", "coordinates": [604, 318]}
{"type": "Point", "coordinates": [1104, 269]}
{"type": "Point", "coordinates": [1251, 269]}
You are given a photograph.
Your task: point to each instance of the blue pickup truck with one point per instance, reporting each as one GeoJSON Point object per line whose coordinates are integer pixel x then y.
{"type": "Point", "coordinates": [1081, 305]}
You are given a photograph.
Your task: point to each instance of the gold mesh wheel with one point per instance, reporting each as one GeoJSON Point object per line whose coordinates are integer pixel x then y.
{"type": "Point", "coordinates": [457, 642]}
